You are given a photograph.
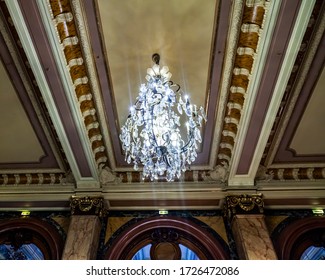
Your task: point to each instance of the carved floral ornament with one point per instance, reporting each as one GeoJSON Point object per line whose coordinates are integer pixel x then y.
{"type": "Point", "coordinates": [243, 204]}
{"type": "Point", "coordinates": [88, 206]}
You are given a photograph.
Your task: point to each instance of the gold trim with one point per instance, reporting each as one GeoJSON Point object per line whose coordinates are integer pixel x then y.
{"type": "Point", "coordinates": [297, 174]}
{"type": "Point", "coordinates": [243, 204]}
{"type": "Point", "coordinates": [251, 27]}
{"type": "Point", "coordinates": [88, 206]}
{"type": "Point", "coordinates": [32, 179]}
{"type": "Point", "coordinates": [65, 24]}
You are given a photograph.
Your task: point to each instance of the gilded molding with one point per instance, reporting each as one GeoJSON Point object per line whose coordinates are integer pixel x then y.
{"type": "Point", "coordinates": [242, 205]}
{"type": "Point", "coordinates": [65, 24]}
{"type": "Point", "coordinates": [136, 177]}
{"type": "Point", "coordinates": [297, 174]}
{"type": "Point", "coordinates": [32, 179]}
{"type": "Point", "coordinates": [88, 206]}
{"type": "Point", "coordinates": [247, 44]}
{"type": "Point", "coordinates": [229, 59]}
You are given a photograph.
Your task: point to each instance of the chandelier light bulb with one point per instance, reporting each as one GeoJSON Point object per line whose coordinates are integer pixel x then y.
{"type": "Point", "coordinates": [152, 135]}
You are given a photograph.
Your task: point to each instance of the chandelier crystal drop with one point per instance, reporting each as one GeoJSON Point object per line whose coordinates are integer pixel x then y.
{"type": "Point", "coordinates": [162, 131]}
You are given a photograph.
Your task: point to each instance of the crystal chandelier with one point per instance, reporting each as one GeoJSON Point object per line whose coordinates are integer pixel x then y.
{"type": "Point", "coordinates": [152, 133]}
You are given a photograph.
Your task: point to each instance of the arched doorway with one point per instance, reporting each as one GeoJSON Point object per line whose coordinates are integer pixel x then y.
{"type": "Point", "coordinates": [36, 233]}
{"type": "Point", "coordinates": [165, 234]}
{"type": "Point", "coordinates": [299, 235]}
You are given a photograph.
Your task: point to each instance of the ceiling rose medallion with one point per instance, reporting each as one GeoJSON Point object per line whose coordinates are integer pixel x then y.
{"type": "Point", "coordinates": [162, 131]}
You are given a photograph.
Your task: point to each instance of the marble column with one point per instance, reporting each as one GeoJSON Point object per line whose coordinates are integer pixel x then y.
{"type": "Point", "coordinates": [84, 229]}
{"type": "Point", "coordinates": [245, 214]}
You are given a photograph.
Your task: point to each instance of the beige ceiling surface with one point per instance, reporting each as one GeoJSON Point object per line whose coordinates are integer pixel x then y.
{"type": "Point", "coordinates": [19, 142]}
{"type": "Point", "coordinates": [311, 128]}
{"type": "Point", "coordinates": [181, 31]}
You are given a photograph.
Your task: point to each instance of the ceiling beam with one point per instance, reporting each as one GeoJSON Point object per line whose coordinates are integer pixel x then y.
{"type": "Point", "coordinates": [292, 49]}
{"type": "Point", "coordinates": [49, 99]}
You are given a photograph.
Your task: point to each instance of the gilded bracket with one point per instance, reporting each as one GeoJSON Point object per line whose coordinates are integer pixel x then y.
{"type": "Point", "coordinates": [243, 204]}
{"type": "Point", "coordinates": [88, 206]}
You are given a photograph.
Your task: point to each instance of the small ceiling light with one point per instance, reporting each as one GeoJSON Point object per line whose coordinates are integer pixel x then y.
{"type": "Point", "coordinates": [152, 133]}
{"type": "Point", "coordinates": [25, 213]}
{"type": "Point", "coordinates": [318, 212]}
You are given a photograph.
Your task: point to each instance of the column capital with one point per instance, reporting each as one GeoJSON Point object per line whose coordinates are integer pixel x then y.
{"type": "Point", "coordinates": [88, 206]}
{"type": "Point", "coordinates": [243, 204]}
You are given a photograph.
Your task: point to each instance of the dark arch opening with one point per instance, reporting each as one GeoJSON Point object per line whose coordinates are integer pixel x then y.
{"type": "Point", "coordinates": [297, 236]}
{"type": "Point", "coordinates": [193, 236]}
{"type": "Point", "coordinates": [34, 231]}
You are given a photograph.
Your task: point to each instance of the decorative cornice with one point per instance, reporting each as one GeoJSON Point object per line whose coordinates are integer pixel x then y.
{"type": "Point", "coordinates": [188, 176]}
{"type": "Point", "coordinates": [229, 58]}
{"type": "Point", "coordinates": [88, 59]}
{"type": "Point", "coordinates": [88, 206]}
{"type": "Point", "coordinates": [251, 27]}
{"type": "Point", "coordinates": [63, 19]}
{"type": "Point", "coordinates": [32, 179]}
{"type": "Point", "coordinates": [297, 174]}
{"type": "Point", "coordinates": [300, 70]}
{"type": "Point", "coordinates": [242, 205]}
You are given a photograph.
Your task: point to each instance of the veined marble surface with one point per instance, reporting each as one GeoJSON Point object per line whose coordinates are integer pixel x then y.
{"type": "Point", "coordinates": [252, 238]}
{"type": "Point", "coordinates": [83, 238]}
{"type": "Point", "coordinates": [113, 224]}
{"type": "Point", "coordinates": [216, 223]}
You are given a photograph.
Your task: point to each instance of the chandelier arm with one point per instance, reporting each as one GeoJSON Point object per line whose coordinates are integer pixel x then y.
{"type": "Point", "coordinates": [157, 102]}
{"type": "Point", "coordinates": [172, 84]}
{"type": "Point", "coordinates": [185, 147]}
{"type": "Point", "coordinates": [151, 128]}
{"type": "Point", "coordinates": [167, 161]}
{"type": "Point", "coordinates": [136, 106]}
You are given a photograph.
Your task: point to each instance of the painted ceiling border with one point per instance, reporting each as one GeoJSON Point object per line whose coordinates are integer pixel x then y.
{"type": "Point", "coordinates": [27, 42]}
{"type": "Point", "coordinates": [312, 61]}
{"type": "Point", "coordinates": [235, 22]}
{"type": "Point", "coordinates": [250, 29]}
{"type": "Point", "coordinates": [269, 171]}
{"type": "Point", "coordinates": [51, 72]}
{"type": "Point", "coordinates": [264, 89]}
{"type": "Point", "coordinates": [284, 115]}
{"type": "Point", "coordinates": [83, 25]}
{"type": "Point", "coordinates": [39, 175]}
{"type": "Point", "coordinates": [302, 20]}
{"type": "Point", "coordinates": [64, 41]}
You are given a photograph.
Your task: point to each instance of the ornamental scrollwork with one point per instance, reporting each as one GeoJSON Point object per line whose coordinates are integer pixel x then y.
{"type": "Point", "coordinates": [88, 206]}
{"type": "Point", "coordinates": [243, 204]}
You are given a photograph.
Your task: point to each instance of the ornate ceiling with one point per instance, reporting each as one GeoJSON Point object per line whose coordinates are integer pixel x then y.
{"type": "Point", "coordinates": [70, 70]}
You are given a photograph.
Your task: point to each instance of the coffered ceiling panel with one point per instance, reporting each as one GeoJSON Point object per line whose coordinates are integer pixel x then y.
{"type": "Point", "coordinates": [183, 33]}
{"type": "Point", "coordinates": [309, 137]}
{"type": "Point", "coordinates": [15, 125]}
{"type": "Point", "coordinates": [29, 152]}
